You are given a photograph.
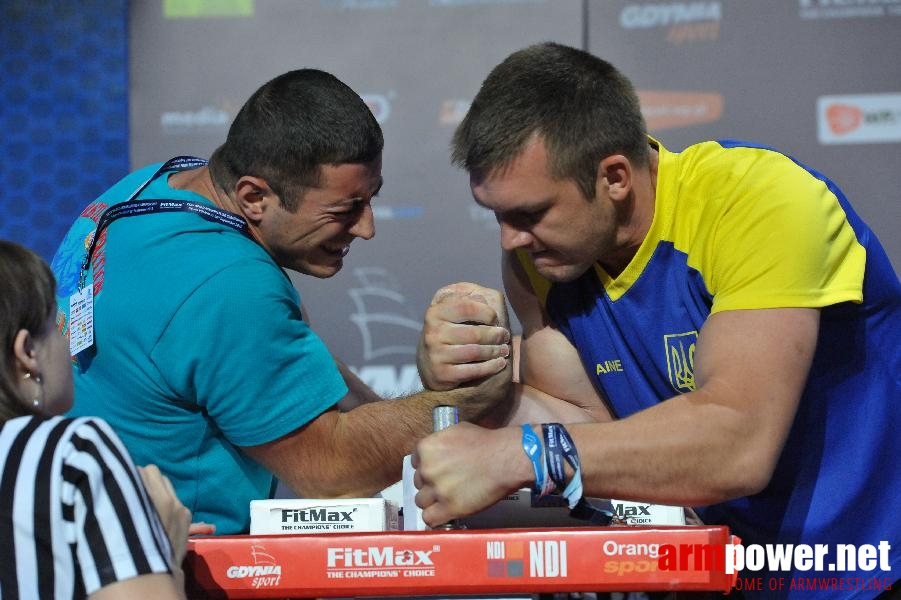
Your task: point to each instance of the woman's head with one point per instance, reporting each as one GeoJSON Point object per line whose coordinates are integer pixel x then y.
{"type": "Point", "coordinates": [35, 369]}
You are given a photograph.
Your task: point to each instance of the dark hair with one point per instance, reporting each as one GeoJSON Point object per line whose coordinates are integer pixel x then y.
{"type": "Point", "coordinates": [27, 300]}
{"type": "Point", "coordinates": [580, 105]}
{"type": "Point", "coordinates": [290, 127]}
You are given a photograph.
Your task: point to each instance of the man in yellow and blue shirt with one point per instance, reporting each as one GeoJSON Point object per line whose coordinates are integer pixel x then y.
{"type": "Point", "coordinates": [717, 327]}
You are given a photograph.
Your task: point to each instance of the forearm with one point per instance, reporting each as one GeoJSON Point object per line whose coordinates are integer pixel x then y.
{"type": "Point", "coordinates": [531, 405]}
{"type": "Point", "coordinates": [360, 452]}
{"type": "Point", "coordinates": [684, 451]}
{"type": "Point", "coordinates": [654, 456]}
{"type": "Point", "coordinates": [385, 433]}
{"type": "Point", "coordinates": [724, 439]}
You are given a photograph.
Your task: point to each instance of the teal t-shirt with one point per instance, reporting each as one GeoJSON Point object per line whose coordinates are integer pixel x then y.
{"type": "Point", "coordinates": [200, 348]}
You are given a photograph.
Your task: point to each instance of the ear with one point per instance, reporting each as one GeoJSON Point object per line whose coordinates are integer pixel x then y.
{"type": "Point", "coordinates": [615, 174]}
{"type": "Point", "coordinates": [252, 195]}
{"type": "Point", "coordinates": [25, 353]}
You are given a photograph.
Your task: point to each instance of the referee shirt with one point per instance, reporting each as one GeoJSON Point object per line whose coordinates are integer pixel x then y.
{"type": "Point", "coordinates": [74, 515]}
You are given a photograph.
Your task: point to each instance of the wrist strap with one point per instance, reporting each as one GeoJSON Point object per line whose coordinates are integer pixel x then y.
{"type": "Point", "coordinates": [559, 447]}
{"type": "Point", "coordinates": [531, 445]}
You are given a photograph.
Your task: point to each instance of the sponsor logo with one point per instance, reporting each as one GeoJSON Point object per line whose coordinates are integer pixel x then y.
{"type": "Point", "coordinates": [621, 559]}
{"type": "Point", "coordinates": [685, 21]}
{"type": "Point", "coordinates": [265, 572]}
{"type": "Point", "coordinates": [545, 558]}
{"type": "Point", "coordinates": [381, 212]}
{"type": "Point", "coordinates": [205, 119]}
{"type": "Point", "coordinates": [204, 10]}
{"type": "Point", "coordinates": [505, 559]}
{"type": "Point", "coordinates": [637, 513]}
{"type": "Point", "coordinates": [359, 4]}
{"type": "Point", "coordinates": [680, 360]}
{"type": "Point", "coordinates": [374, 556]}
{"type": "Point", "coordinates": [664, 14]}
{"type": "Point", "coordinates": [843, 118]}
{"type": "Point", "coordinates": [859, 119]}
{"type": "Point", "coordinates": [380, 105]}
{"type": "Point", "coordinates": [316, 515]}
{"type": "Point", "coordinates": [633, 513]}
{"type": "Point", "coordinates": [379, 562]}
{"type": "Point", "coordinates": [454, 3]}
{"type": "Point", "coordinates": [612, 548]}
{"type": "Point", "coordinates": [668, 110]}
{"type": "Point", "coordinates": [848, 9]}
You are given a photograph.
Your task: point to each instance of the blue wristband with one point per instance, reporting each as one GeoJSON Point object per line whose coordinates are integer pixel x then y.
{"type": "Point", "coordinates": [531, 445]}
{"type": "Point", "coordinates": [559, 447]}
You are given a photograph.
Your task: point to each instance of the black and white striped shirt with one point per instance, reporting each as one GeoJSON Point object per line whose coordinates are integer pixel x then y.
{"type": "Point", "coordinates": [74, 515]}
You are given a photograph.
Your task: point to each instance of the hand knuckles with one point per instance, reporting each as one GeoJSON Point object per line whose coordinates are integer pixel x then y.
{"type": "Point", "coordinates": [473, 353]}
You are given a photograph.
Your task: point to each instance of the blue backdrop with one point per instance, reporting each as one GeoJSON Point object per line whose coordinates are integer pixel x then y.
{"type": "Point", "coordinates": [63, 112]}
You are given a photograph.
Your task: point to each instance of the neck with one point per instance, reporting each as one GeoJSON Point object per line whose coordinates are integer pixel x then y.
{"type": "Point", "coordinates": [645, 199]}
{"type": "Point", "coordinates": [635, 218]}
{"type": "Point", "coordinates": [201, 182]}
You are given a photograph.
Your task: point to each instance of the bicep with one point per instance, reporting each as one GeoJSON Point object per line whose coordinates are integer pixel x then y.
{"type": "Point", "coordinates": [301, 457]}
{"type": "Point", "coordinates": [755, 363]}
{"type": "Point", "coordinates": [550, 368]}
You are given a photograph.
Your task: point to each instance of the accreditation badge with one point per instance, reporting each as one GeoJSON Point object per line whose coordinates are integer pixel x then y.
{"type": "Point", "coordinates": [81, 319]}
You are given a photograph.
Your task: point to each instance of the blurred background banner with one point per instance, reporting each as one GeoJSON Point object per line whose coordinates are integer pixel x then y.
{"type": "Point", "coordinates": [94, 89]}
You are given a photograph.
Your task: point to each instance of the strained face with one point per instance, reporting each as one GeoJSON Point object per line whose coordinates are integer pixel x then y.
{"type": "Point", "coordinates": [315, 238]}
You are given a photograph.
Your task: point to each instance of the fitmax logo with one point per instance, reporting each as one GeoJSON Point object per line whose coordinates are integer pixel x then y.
{"type": "Point", "coordinates": [379, 557]}
{"type": "Point", "coordinates": [317, 515]}
{"type": "Point", "coordinates": [632, 511]}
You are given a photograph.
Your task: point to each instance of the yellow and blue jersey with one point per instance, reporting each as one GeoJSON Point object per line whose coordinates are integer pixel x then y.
{"type": "Point", "coordinates": [739, 226]}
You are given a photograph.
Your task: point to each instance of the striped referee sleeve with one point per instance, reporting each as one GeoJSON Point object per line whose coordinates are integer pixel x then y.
{"type": "Point", "coordinates": [17, 543]}
{"type": "Point", "coordinates": [76, 495]}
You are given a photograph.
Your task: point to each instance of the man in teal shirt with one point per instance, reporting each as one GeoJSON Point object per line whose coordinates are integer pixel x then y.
{"type": "Point", "coordinates": [201, 359]}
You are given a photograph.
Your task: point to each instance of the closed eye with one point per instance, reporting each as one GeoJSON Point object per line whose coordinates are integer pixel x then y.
{"type": "Point", "coordinates": [523, 219]}
{"type": "Point", "coordinates": [350, 206]}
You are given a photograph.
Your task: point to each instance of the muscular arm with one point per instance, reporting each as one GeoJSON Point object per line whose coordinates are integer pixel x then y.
{"type": "Point", "coordinates": [750, 367]}
{"type": "Point", "coordinates": [718, 442]}
{"type": "Point", "coordinates": [723, 440]}
{"type": "Point", "coordinates": [360, 452]}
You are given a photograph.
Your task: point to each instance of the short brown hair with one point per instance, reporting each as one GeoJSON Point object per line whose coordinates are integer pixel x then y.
{"type": "Point", "coordinates": [582, 107]}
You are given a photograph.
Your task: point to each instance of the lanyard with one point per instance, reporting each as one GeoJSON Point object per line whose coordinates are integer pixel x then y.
{"type": "Point", "coordinates": [133, 208]}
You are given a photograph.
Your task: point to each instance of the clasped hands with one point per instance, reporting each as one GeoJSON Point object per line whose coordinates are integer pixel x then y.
{"type": "Point", "coordinates": [466, 342]}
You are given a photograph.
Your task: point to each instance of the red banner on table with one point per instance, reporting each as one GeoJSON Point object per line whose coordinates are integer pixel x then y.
{"type": "Point", "coordinates": [456, 562]}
